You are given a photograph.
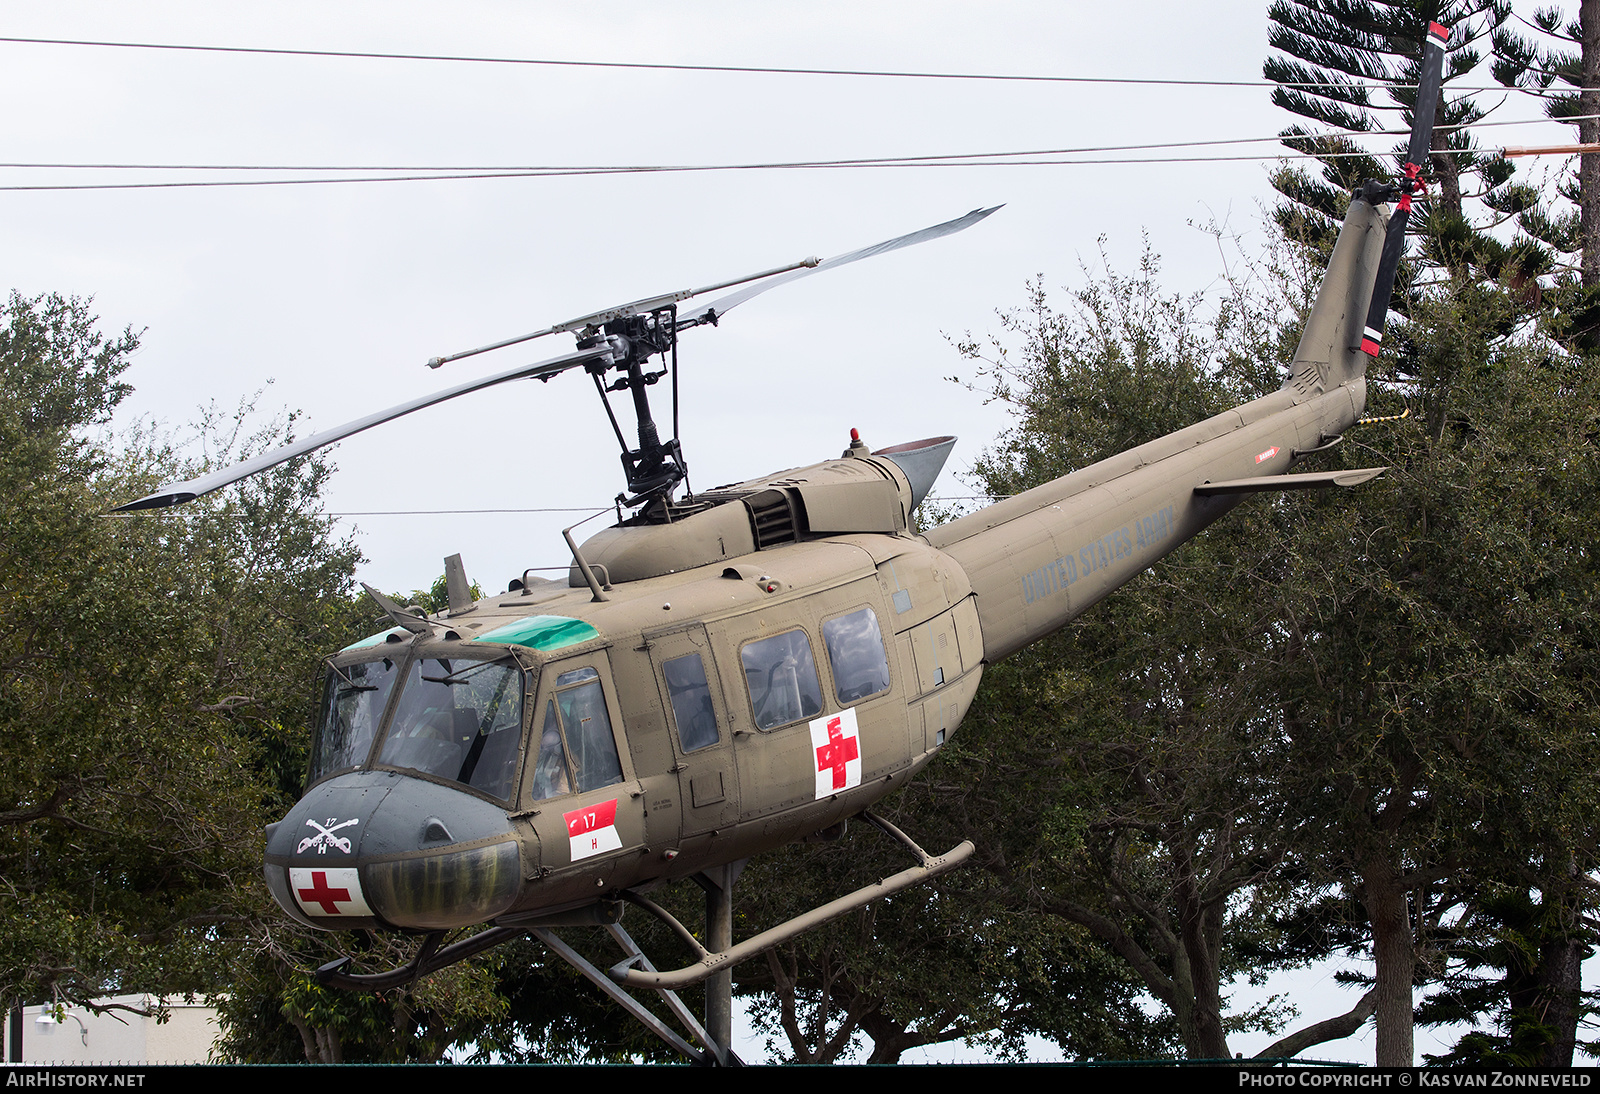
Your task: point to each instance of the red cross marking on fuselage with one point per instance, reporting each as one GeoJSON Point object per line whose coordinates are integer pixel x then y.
{"type": "Point", "coordinates": [836, 753]}
{"type": "Point", "coordinates": [320, 893]}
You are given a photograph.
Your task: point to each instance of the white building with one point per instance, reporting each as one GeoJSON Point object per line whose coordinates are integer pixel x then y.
{"type": "Point", "coordinates": [79, 1036]}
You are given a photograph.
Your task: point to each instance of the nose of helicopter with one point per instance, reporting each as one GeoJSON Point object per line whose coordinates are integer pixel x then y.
{"type": "Point", "coordinates": [376, 848]}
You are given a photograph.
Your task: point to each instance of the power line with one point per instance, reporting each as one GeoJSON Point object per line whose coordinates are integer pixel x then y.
{"type": "Point", "coordinates": [768, 70]}
{"type": "Point", "coordinates": [674, 169]}
{"type": "Point", "coordinates": [628, 171]}
{"type": "Point", "coordinates": [503, 169]}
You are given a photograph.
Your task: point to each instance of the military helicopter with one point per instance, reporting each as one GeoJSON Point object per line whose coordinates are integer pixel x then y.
{"type": "Point", "coordinates": [727, 671]}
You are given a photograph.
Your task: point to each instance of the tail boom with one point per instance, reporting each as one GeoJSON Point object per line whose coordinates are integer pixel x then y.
{"type": "Point", "coordinates": [1039, 559]}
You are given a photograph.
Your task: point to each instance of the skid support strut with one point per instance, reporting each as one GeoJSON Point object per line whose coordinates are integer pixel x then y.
{"type": "Point", "coordinates": [714, 966]}
{"type": "Point", "coordinates": [627, 1002]}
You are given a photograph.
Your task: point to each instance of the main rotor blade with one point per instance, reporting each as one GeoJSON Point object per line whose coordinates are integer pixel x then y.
{"type": "Point", "coordinates": [180, 492]}
{"type": "Point", "coordinates": [1394, 241]}
{"type": "Point", "coordinates": [721, 305]}
{"type": "Point", "coordinates": [633, 307]}
{"type": "Point", "coordinates": [767, 279]}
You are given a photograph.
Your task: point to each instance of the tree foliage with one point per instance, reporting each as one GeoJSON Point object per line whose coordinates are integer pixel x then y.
{"type": "Point", "coordinates": [1351, 67]}
{"type": "Point", "coordinates": [1440, 694]}
{"type": "Point", "coordinates": [1148, 823]}
{"type": "Point", "coordinates": [1504, 319]}
{"type": "Point", "coordinates": [154, 676]}
{"type": "Point", "coordinates": [1557, 60]}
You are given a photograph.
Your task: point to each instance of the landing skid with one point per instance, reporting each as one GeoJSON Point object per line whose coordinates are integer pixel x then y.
{"type": "Point", "coordinates": [714, 965]}
{"type": "Point", "coordinates": [709, 963]}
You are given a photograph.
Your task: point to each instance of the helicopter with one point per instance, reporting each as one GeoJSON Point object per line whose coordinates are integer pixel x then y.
{"type": "Point", "coordinates": [726, 671]}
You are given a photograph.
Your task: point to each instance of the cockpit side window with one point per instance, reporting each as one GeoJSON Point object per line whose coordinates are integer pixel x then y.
{"type": "Point", "coordinates": [550, 775]}
{"type": "Point", "coordinates": [782, 678]}
{"type": "Point", "coordinates": [856, 654]}
{"type": "Point", "coordinates": [577, 748]}
{"type": "Point", "coordinates": [353, 702]}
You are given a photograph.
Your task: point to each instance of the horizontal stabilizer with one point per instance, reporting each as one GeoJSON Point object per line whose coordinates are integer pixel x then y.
{"type": "Point", "coordinates": [1319, 480]}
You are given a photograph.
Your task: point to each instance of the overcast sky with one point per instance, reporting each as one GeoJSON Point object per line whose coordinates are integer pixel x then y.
{"type": "Point", "coordinates": [336, 295]}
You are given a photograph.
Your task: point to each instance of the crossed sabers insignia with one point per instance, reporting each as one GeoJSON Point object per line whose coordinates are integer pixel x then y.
{"type": "Point", "coordinates": [325, 837]}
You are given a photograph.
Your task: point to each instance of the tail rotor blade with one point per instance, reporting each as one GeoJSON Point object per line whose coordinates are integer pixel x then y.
{"type": "Point", "coordinates": [1427, 96]}
{"type": "Point", "coordinates": [1416, 155]}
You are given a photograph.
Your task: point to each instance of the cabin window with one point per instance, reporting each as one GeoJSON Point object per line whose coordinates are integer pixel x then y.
{"type": "Point", "coordinates": [856, 654]}
{"type": "Point", "coordinates": [690, 693]}
{"type": "Point", "coordinates": [353, 702]}
{"type": "Point", "coordinates": [782, 678]}
{"type": "Point", "coordinates": [459, 720]}
{"type": "Point", "coordinates": [577, 749]}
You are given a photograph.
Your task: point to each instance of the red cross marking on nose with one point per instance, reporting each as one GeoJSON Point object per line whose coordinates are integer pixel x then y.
{"type": "Point", "coordinates": [320, 893]}
{"type": "Point", "coordinates": [836, 753]}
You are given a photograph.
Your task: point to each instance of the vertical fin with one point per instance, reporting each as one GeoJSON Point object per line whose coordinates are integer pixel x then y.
{"type": "Point", "coordinates": [1329, 352]}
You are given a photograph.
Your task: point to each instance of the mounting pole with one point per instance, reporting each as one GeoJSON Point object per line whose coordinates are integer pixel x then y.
{"type": "Point", "coordinates": [718, 885]}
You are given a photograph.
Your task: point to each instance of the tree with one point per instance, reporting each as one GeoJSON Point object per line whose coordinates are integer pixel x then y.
{"type": "Point", "coordinates": [1441, 694]}
{"type": "Point", "coordinates": [1377, 701]}
{"type": "Point", "coordinates": [1495, 971]}
{"type": "Point", "coordinates": [950, 961]}
{"type": "Point", "coordinates": [1564, 54]}
{"type": "Point", "coordinates": [1331, 54]}
{"type": "Point", "coordinates": [275, 1012]}
{"type": "Point", "coordinates": [155, 673]}
{"type": "Point", "coordinates": [1548, 266]}
{"type": "Point", "coordinates": [1151, 818]}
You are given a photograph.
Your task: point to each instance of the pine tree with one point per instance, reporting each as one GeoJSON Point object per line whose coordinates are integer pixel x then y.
{"type": "Point", "coordinates": [1560, 64]}
{"type": "Point", "coordinates": [1332, 56]}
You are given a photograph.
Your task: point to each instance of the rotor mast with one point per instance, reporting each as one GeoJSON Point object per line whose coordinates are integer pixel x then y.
{"type": "Point", "coordinates": [655, 468]}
